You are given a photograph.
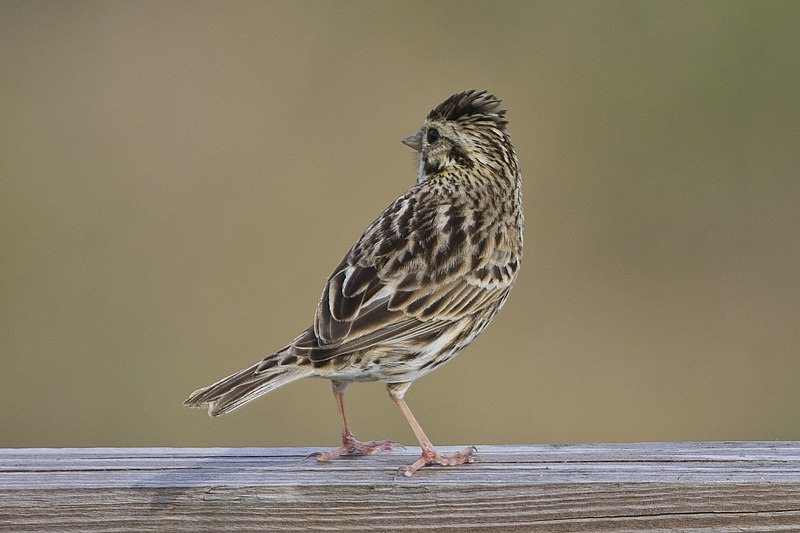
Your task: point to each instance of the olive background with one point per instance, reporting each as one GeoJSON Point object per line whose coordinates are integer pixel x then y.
{"type": "Point", "coordinates": [178, 179]}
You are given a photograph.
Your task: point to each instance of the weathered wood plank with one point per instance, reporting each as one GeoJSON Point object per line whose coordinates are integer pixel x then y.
{"type": "Point", "coordinates": [709, 486]}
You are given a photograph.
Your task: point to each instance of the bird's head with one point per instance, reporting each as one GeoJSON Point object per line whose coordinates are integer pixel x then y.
{"type": "Point", "coordinates": [467, 129]}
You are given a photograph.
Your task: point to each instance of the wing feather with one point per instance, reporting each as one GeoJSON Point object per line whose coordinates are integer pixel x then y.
{"type": "Point", "coordinates": [420, 266]}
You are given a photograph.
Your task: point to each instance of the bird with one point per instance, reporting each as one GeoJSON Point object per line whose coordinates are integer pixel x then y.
{"type": "Point", "coordinates": [422, 281]}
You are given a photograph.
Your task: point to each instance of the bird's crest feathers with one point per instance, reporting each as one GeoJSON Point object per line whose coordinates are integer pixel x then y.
{"type": "Point", "coordinates": [471, 104]}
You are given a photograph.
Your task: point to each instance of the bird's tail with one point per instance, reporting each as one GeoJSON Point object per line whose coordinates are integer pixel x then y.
{"type": "Point", "coordinates": [237, 389]}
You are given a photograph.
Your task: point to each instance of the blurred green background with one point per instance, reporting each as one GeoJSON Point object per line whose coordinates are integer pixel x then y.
{"type": "Point", "coordinates": [179, 178]}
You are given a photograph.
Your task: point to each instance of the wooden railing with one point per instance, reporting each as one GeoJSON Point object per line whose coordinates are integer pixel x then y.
{"type": "Point", "coordinates": [706, 486]}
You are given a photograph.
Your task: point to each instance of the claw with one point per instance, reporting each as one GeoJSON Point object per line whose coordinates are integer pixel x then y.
{"type": "Point", "coordinates": [309, 456]}
{"type": "Point", "coordinates": [430, 457]}
{"type": "Point", "coordinates": [351, 446]}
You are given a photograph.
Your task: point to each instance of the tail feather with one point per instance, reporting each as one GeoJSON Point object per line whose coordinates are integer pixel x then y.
{"type": "Point", "coordinates": [237, 389]}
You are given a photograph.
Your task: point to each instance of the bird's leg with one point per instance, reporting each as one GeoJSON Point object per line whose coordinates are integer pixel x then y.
{"type": "Point", "coordinates": [350, 446]}
{"type": "Point", "coordinates": [429, 455]}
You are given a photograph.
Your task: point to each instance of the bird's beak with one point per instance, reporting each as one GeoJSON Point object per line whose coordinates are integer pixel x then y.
{"type": "Point", "coordinates": [414, 141]}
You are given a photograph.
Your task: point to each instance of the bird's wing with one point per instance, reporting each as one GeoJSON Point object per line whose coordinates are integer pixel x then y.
{"type": "Point", "coordinates": [419, 267]}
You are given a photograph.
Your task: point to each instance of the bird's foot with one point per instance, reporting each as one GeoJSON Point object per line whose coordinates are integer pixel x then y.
{"type": "Point", "coordinates": [351, 446]}
{"type": "Point", "coordinates": [430, 457]}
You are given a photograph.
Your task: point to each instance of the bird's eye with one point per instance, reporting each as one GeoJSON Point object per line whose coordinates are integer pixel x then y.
{"type": "Point", "coordinates": [433, 135]}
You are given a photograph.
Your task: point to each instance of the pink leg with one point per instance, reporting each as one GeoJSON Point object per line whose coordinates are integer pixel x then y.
{"type": "Point", "coordinates": [350, 446]}
{"type": "Point", "coordinates": [429, 455]}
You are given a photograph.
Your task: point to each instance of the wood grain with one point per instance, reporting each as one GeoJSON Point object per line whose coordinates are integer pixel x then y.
{"type": "Point", "coordinates": [706, 486]}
